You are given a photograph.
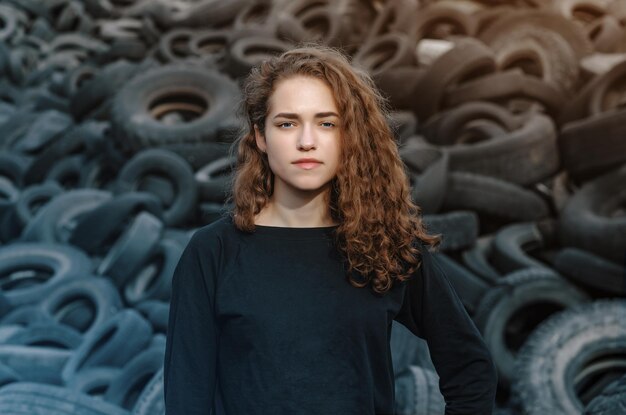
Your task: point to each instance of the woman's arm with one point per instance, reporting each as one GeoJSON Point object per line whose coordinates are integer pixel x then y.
{"type": "Point", "coordinates": [190, 365]}
{"type": "Point", "coordinates": [433, 311]}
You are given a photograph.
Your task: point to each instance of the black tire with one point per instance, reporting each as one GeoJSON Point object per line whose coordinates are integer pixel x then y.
{"type": "Point", "coordinates": [125, 389]}
{"type": "Point", "coordinates": [590, 270]}
{"type": "Point", "coordinates": [29, 270]}
{"type": "Point", "coordinates": [570, 358]}
{"type": "Point", "coordinates": [92, 95]}
{"type": "Point", "coordinates": [418, 393]}
{"type": "Point", "coordinates": [56, 336]}
{"type": "Point", "coordinates": [13, 166]}
{"type": "Point", "coordinates": [448, 127]}
{"type": "Point", "coordinates": [8, 375]}
{"type": "Point", "coordinates": [83, 304]}
{"type": "Point", "coordinates": [502, 87]}
{"type": "Point", "coordinates": [594, 145]}
{"type": "Point", "coordinates": [525, 156]}
{"type": "Point", "coordinates": [493, 198]}
{"type": "Point", "coordinates": [403, 124]}
{"type": "Point", "coordinates": [53, 222]}
{"type": "Point", "coordinates": [386, 52]}
{"type": "Point", "coordinates": [94, 381]}
{"type": "Point", "coordinates": [151, 401]}
{"type": "Point", "coordinates": [248, 52]}
{"type": "Point", "coordinates": [67, 172]}
{"type": "Point", "coordinates": [113, 344]}
{"type": "Point", "coordinates": [23, 398]}
{"type": "Point", "coordinates": [607, 96]}
{"type": "Point", "coordinates": [154, 279]}
{"type": "Point", "coordinates": [139, 106]}
{"type": "Point", "coordinates": [174, 45]}
{"type": "Point", "coordinates": [444, 21]}
{"type": "Point", "coordinates": [32, 199]}
{"type": "Point", "coordinates": [24, 316]}
{"type": "Point", "coordinates": [168, 165]}
{"type": "Point", "coordinates": [611, 401]}
{"type": "Point", "coordinates": [590, 219]}
{"type": "Point", "coordinates": [87, 138]}
{"type": "Point", "coordinates": [97, 229]}
{"type": "Point", "coordinates": [477, 258]}
{"type": "Point", "coordinates": [35, 363]}
{"type": "Point", "coordinates": [513, 246]}
{"type": "Point", "coordinates": [156, 312]}
{"type": "Point", "coordinates": [209, 212]}
{"type": "Point", "coordinates": [428, 176]}
{"type": "Point", "coordinates": [536, 20]}
{"type": "Point", "coordinates": [214, 180]}
{"type": "Point", "coordinates": [132, 249]}
{"type": "Point", "coordinates": [459, 229]}
{"type": "Point", "coordinates": [469, 287]}
{"type": "Point", "coordinates": [579, 107]}
{"type": "Point", "coordinates": [394, 16]}
{"type": "Point", "coordinates": [468, 58]}
{"type": "Point", "coordinates": [407, 350]}
{"type": "Point", "coordinates": [515, 306]}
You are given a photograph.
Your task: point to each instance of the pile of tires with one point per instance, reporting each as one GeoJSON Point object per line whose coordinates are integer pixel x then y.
{"type": "Point", "coordinates": [116, 124]}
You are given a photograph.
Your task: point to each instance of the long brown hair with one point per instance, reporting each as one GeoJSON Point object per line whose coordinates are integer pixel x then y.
{"type": "Point", "coordinates": [370, 194]}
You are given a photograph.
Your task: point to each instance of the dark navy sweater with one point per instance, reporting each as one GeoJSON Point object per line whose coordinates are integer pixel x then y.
{"type": "Point", "coordinates": [266, 323]}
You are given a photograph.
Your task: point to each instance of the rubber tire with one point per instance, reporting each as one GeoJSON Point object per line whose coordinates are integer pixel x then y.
{"type": "Point", "coordinates": [594, 145]}
{"type": "Point", "coordinates": [167, 164]}
{"type": "Point", "coordinates": [511, 245]}
{"type": "Point", "coordinates": [83, 304]}
{"type": "Point", "coordinates": [62, 262]}
{"type": "Point", "coordinates": [35, 363]}
{"type": "Point", "coordinates": [611, 401]}
{"type": "Point", "coordinates": [418, 393]}
{"type": "Point", "coordinates": [498, 198]}
{"type": "Point", "coordinates": [26, 398]}
{"type": "Point", "coordinates": [525, 156]}
{"type": "Point", "coordinates": [512, 309]}
{"type": "Point", "coordinates": [154, 279]}
{"type": "Point", "coordinates": [470, 288]}
{"type": "Point", "coordinates": [132, 249]}
{"type": "Point", "coordinates": [125, 389]}
{"type": "Point", "coordinates": [561, 349]}
{"type": "Point", "coordinates": [459, 229]}
{"type": "Point", "coordinates": [477, 258]}
{"type": "Point", "coordinates": [151, 401]}
{"type": "Point", "coordinates": [592, 271]}
{"type": "Point", "coordinates": [113, 344]}
{"type": "Point", "coordinates": [135, 128]}
{"type": "Point", "coordinates": [587, 221]}
{"type": "Point", "coordinates": [95, 231]}
{"type": "Point", "coordinates": [53, 222]}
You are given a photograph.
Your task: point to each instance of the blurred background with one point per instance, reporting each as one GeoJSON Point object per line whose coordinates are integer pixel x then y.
{"type": "Point", "coordinates": [116, 119]}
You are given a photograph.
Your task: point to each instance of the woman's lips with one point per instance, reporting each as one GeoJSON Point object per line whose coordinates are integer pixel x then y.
{"type": "Point", "coordinates": [307, 165]}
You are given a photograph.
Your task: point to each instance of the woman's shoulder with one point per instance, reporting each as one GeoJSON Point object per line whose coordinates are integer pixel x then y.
{"type": "Point", "coordinates": [221, 230]}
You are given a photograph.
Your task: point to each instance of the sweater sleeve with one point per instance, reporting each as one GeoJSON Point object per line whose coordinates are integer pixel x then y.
{"type": "Point", "coordinates": [190, 366]}
{"type": "Point", "coordinates": [432, 310]}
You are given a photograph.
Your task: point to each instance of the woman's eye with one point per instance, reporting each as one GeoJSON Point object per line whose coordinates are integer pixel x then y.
{"type": "Point", "coordinates": [328, 124]}
{"type": "Point", "coordinates": [285, 124]}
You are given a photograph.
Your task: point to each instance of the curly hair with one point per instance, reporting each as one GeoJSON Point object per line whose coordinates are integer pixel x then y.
{"type": "Point", "coordinates": [379, 224]}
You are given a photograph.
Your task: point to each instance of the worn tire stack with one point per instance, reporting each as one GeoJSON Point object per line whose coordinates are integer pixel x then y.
{"type": "Point", "coordinates": [116, 121]}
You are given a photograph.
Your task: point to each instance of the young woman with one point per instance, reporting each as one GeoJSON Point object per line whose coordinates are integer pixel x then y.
{"type": "Point", "coordinates": [285, 306]}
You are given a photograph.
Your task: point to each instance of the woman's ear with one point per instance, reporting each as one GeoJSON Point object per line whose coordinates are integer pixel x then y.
{"type": "Point", "coordinates": [259, 138]}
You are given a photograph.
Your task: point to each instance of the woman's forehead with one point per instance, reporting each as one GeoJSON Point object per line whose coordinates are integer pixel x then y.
{"type": "Point", "coordinates": [302, 95]}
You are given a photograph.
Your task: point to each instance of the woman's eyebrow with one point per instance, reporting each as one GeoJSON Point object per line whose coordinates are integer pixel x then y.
{"type": "Point", "coordinates": [293, 116]}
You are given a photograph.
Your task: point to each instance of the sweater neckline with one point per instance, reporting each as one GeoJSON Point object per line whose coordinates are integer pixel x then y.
{"type": "Point", "coordinates": [295, 232]}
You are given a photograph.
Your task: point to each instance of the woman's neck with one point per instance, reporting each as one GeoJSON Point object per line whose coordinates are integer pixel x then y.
{"type": "Point", "coordinates": [307, 216]}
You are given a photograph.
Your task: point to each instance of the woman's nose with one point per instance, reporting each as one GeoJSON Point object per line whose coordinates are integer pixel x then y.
{"type": "Point", "coordinates": [307, 139]}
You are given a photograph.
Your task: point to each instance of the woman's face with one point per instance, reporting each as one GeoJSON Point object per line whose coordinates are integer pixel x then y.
{"type": "Point", "coordinates": [302, 123]}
